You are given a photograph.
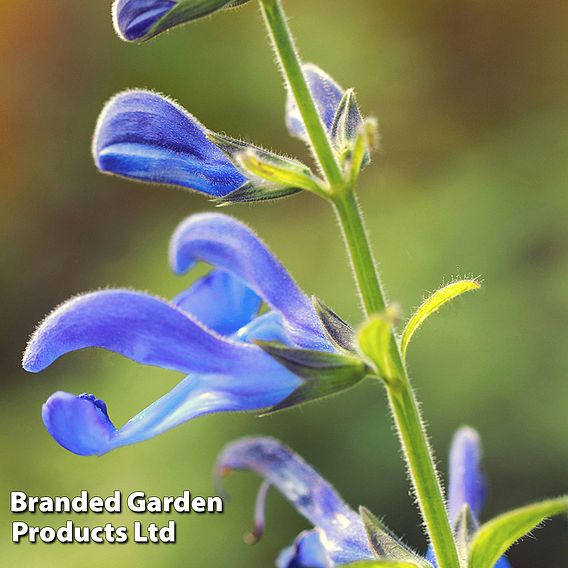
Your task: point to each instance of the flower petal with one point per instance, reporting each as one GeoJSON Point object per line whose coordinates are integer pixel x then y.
{"type": "Point", "coordinates": [312, 496]}
{"type": "Point", "coordinates": [230, 245]}
{"type": "Point", "coordinates": [147, 137]}
{"type": "Point", "coordinates": [267, 327]}
{"type": "Point", "coordinates": [78, 423]}
{"type": "Point", "coordinates": [227, 375]}
{"type": "Point", "coordinates": [327, 95]}
{"type": "Point", "coordinates": [136, 325]}
{"type": "Point", "coordinates": [138, 20]}
{"type": "Point", "coordinates": [133, 19]}
{"type": "Point", "coordinates": [220, 301]}
{"type": "Point", "coordinates": [308, 551]}
{"type": "Point", "coordinates": [467, 484]}
{"type": "Point", "coordinates": [252, 383]}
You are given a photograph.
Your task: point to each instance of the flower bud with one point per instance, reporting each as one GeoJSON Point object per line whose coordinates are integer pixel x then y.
{"type": "Point", "coordinates": [140, 20]}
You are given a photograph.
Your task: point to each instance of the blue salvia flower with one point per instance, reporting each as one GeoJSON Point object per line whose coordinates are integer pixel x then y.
{"type": "Point", "coordinates": [139, 20]}
{"type": "Point", "coordinates": [147, 137]}
{"type": "Point", "coordinates": [205, 333]}
{"type": "Point", "coordinates": [340, 535]}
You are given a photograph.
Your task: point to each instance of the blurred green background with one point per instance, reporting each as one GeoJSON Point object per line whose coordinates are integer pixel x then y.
{"type": "Point", "coordinates": [472, 180]}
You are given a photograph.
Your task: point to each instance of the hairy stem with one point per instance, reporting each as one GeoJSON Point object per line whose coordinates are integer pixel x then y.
{"type": "Point", "coordinates": [362, 261]}
{"type": "Point", "coordinates": [341, 193]}
{"type": "Point", "coordinates": [422, 470]}
{"type": "Point", "coordinates": [291, 66]}
{"type": "Point", "coordinates": [402, 400]}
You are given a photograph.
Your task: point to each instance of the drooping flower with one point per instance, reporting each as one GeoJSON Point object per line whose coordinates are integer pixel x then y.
{"type": "Point", "coordinates": [140, 20]}
{"type": "Point", "coordinates": [205, 332]}
{"type": "Point", "coordinates": [147, 137]}
{"type": "Point", "coordinates": [340, 535]}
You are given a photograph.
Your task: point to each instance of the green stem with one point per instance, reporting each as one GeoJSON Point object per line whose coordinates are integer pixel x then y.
{"type": "Point", "coordinates": [401, 396]}
{"type": "Point", "coordinates": [405, 409]}
{"type": "Point", "coordinates": [292, 70]}
{"type": "Point", "coordinates": [362, 261]}
{"type": "Point", "coordinates": [420, 463]}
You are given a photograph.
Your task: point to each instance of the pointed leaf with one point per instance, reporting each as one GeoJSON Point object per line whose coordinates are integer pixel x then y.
{"type": "Point", "coordinates": [376, 341]}
{"type": "Point", "coordinates": [495, 537]}
{"type": "Point", "coordinates": [340, 333]}
{"type": "Point", "coordinates": [385, 544]}
{"type": "Point", "coordinates": [433, 304]}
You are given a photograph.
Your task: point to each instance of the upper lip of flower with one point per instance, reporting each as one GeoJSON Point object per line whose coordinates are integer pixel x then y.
{"type": "Point", "coordinates": [224, 372]}
{"type": "Point", "coordinates": [146, 136]}
{"type": "Point", "coordinates": [339, 535]}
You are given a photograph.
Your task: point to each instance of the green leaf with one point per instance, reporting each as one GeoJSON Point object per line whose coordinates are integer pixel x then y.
{"type": "Point", "coordinates": [385, 544]}
{"type": "Point", "coordinates": [273, 171]}
{"type": "Point", "coordinates": [376, 341]}
{"type": "Point", "coordinates": [432, 304]}
{"type": "Point", "coordinates": [339, 332]}
{"type": "Point", "coordinates": [495, 537]}
{"type": "Point", "coordinates": [324, 373]}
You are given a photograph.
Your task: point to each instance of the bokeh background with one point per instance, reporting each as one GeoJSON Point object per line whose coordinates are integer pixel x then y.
{"type": "Point", "coordinates": [472, 180]}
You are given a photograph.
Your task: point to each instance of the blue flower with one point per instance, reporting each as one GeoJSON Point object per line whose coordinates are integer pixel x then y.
{"type": "Point", "coordinates": [340, 535]}
{"type": "Point", "coordinates": [205, 333]}
{"type": "Point", "coordinates": [147, 137]}
{"type": "Point", "coordinates": [139, 20]}
{"type": "Point", "coordinates": [328, 96]}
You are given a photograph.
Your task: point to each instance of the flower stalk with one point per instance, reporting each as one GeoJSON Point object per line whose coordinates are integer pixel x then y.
{"type": "Point", "coordinates": [342, 195]}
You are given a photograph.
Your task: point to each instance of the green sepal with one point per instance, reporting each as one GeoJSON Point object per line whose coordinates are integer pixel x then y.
{"type": "Point", "coordinates": [495, 537]}
{"type": "Point", "coordinates": [186, 11]}
{"type": "Point", "coordinates": [385, 544]}
{"type": "Point", "coordinates": [464, 529]}
{"type": "Point", "coordinates": [380, 564]}
{"type": "Point", "coordinates": [377, 342]}
{"type": "Point", "coordinates": [324, 373]}
{"type": "Point", "coordinates": [250, 193]}
{"type": "Point", "coordinates": [346, 126]}
{"type": "Point", "coordinates": [360, 153]}
{"type": "Point", "coordinates": [339, 332]}
{"type": "Point", "coordinates": [268, 172]}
